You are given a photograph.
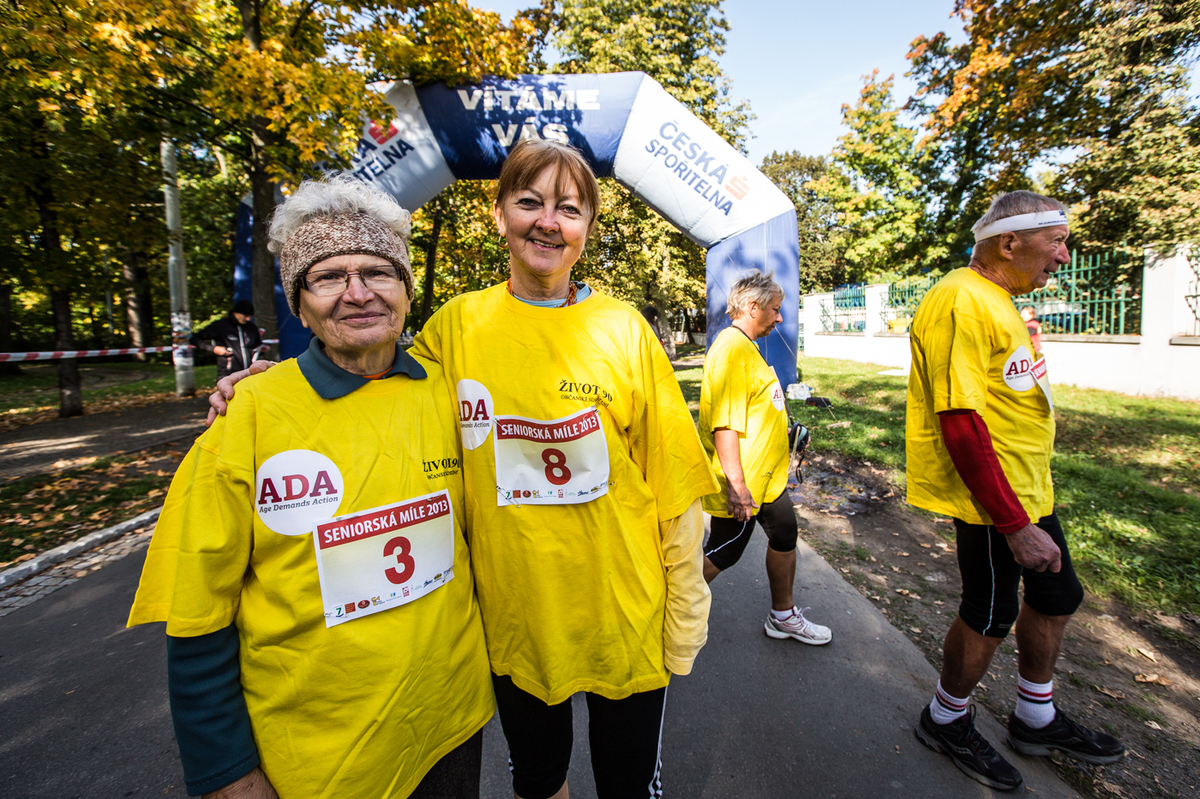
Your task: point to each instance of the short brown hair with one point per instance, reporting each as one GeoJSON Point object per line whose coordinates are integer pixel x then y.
{"type": "Point", "coordinates": [529, 157]}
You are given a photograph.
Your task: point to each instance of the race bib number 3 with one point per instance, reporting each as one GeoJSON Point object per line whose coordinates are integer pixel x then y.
{"type": "Point", "coordinates": [559, 462]}
{"type": "Point", "coordinates": [378, 559]}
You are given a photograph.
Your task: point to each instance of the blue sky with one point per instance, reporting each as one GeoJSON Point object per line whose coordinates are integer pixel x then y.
{"type": "Point", "coordinates": [798, 61]}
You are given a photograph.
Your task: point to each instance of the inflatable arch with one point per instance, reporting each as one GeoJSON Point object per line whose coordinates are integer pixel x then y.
{"type": "Point", "coordinates": [629, 129]}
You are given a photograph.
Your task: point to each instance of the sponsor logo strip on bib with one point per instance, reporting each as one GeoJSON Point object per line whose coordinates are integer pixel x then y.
{"type": "Point", "coordinates": [377, 559]}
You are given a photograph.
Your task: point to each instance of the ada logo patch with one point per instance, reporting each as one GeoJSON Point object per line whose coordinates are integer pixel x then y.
{"type": "Point", "coordinates": [777, 396]}
{"type": "Point", "coordinates": [475, 412]}
{"type": "Point", "coordinates": [296, 490]}
{"type": "Point", "coordinates": [1018, 370]}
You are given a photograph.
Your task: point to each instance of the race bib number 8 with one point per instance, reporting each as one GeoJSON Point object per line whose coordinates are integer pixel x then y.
{"type": "Point", "coordinates": [378, 559]}
{"type": "Point", "coordinates": [559, 462]}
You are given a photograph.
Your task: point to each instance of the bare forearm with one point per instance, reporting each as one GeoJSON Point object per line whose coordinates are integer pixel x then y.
{"type": "Point", "coordinates": [729, 453]}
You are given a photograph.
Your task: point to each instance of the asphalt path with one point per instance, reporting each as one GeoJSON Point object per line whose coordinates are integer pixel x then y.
{"type": "Point", "coordinates": [84, 712]}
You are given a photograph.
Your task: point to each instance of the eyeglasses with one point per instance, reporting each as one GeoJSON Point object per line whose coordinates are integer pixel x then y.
{"type": "Point", "coordinates": [331, 282]}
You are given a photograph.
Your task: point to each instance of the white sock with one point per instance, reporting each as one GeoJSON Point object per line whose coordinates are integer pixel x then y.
{"type": "Point", "coordinates": [780, 615]}
{"type": "Point", "coordinates": [1035, 702]}
{"type": "Point", "coordinates": [946, 708]}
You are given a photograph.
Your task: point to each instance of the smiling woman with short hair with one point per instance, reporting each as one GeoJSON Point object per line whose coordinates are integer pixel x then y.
{"type": "Point", "coordinates": [584, 474]}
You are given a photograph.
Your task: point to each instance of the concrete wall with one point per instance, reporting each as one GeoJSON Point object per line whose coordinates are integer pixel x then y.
{"type": "Point", "coordinates": [1163, 361]}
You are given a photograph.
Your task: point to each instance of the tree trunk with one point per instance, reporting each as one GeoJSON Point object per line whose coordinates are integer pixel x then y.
{"type": "Point", "coordinates": [7, 369]}
{"type": "Point", "coordinates": [56, 270]}
{"type": "Point", "coordinates": [667, 334]}
{"type": "Point", "coordinates": [139, 318]}
{"type": "Point", "coordinates": [262, 283]}
{"type": "Point", "coordinates": [70, 392]}
{"type": "Point", "coordinates": [262, 195]}
{"type": "Point", "coordinates": [427, 279]}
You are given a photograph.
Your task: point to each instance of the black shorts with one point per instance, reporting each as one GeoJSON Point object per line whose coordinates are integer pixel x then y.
{"type": "Point", "coordinates": [625, 736]}
{"type": "Point", "coordinates": [990, 578]}
{"type": "Point", "coordinates": [727, 538]}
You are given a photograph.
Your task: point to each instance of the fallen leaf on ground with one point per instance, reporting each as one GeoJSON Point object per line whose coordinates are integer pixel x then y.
{"type": "Point", "coordinates": [1148, 655]}
{"type": "Point", "coordinates": [1109, 692]}
{"type": "Point", "coordinates": [1156, 679]}
{"type": "Point", "coordinates": [927, 546]}
{"type": "Point", "coordinates": [1153, 725]}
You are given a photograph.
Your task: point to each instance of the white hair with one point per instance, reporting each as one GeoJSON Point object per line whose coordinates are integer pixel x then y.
{"type": "Point", "coordinates": [758, 288]}
{"type": "Point", "coordinates": [336, 194]}
{"type": "Point", "coordinates": [1016, 203]}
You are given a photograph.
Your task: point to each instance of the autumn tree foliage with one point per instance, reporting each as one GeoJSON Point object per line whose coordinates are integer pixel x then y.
{"type": "Point", "coordinates": [821, 236]}
{"type": "Point", "coordinates": [1099, 85]}
{"type": "Point", "coordinates": [1093, 92]}
{"type": "Point", "coordinates": [275, 86]}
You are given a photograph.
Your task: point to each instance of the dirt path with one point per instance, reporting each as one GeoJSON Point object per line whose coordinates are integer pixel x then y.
{"type": "Point", "coordinates": [64, 443]}
{"type": "Point", "coordinates": [1135, 677]}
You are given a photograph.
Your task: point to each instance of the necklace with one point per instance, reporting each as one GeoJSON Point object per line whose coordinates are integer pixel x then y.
{"type": "Point", "coordinates": [572, 291]}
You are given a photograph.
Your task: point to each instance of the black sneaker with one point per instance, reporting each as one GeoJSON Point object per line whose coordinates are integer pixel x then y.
{"type": "Point", "coordinates": [1064, 735]}
{"type": "Point", "coordinates": [969, 750]}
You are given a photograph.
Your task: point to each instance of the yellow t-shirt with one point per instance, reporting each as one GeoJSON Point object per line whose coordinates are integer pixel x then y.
{"type": "Point", "coordinates": [363, 708]}
{"type": "Point", "coordinates": [971, 351]}
{"type": "Point", "coordinates": [740, 392]}
{"type": "Point", "coordinates": [576, 444]}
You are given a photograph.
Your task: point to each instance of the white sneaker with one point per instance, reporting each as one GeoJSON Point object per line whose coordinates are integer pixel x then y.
{"type": "Point", "coordinates": [798, 627]}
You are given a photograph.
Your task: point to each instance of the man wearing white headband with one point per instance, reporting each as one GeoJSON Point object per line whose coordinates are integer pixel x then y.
{"type": "Point", "coordinates": [980, 432]}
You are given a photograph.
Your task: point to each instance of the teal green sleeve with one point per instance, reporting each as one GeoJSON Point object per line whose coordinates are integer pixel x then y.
{"type": "Point", "coordinates": [212, 725]}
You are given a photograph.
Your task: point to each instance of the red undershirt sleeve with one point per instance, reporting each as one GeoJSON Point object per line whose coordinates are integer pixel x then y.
{"type": "Point", "coordinates": [970, 447]}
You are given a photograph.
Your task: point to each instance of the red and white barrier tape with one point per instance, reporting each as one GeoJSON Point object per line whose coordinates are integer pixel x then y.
{"type": "Point", "coordinates": [13, 357]}
{"type": "Point", "coordinates": [54, 356]}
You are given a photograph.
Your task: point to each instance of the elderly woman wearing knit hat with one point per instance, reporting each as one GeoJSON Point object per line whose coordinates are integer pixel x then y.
{"type": "Point", "coordinates": [323, 635]}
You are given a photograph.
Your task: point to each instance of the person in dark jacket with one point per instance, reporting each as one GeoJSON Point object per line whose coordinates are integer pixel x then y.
{"type": "Point", "coordinates": [233, 339]}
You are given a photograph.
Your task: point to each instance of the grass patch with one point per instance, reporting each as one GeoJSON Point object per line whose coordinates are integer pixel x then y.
{"type": "Point", "coordinates": [689, 383]}
{"type": "Point", "coordinates": [871, 402]}
{"type": "Point", "coordinates": [33, 396]}
{"type": "Point", "coordinates": [45, 511]}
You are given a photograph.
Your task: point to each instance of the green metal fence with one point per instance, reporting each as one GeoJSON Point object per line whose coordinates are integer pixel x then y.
{"type": "Point", "coordinates": [902, 300]}
{"type": "Point", "coordinates": [1096, 294]}
{"type": "Point", "coordinates": [848, 314]}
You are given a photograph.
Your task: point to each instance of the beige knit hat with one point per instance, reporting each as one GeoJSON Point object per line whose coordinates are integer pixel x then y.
{"type": "Point", "coordinates": [339, 234]}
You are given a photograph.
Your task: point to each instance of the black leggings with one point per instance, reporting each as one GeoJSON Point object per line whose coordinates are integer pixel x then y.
{"type": "Point", "coordinates": [625, 736]}
{"type": "Point", "coordinates": [727, 538]}
{"type": "Point", "coordinates": [456, 775]}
